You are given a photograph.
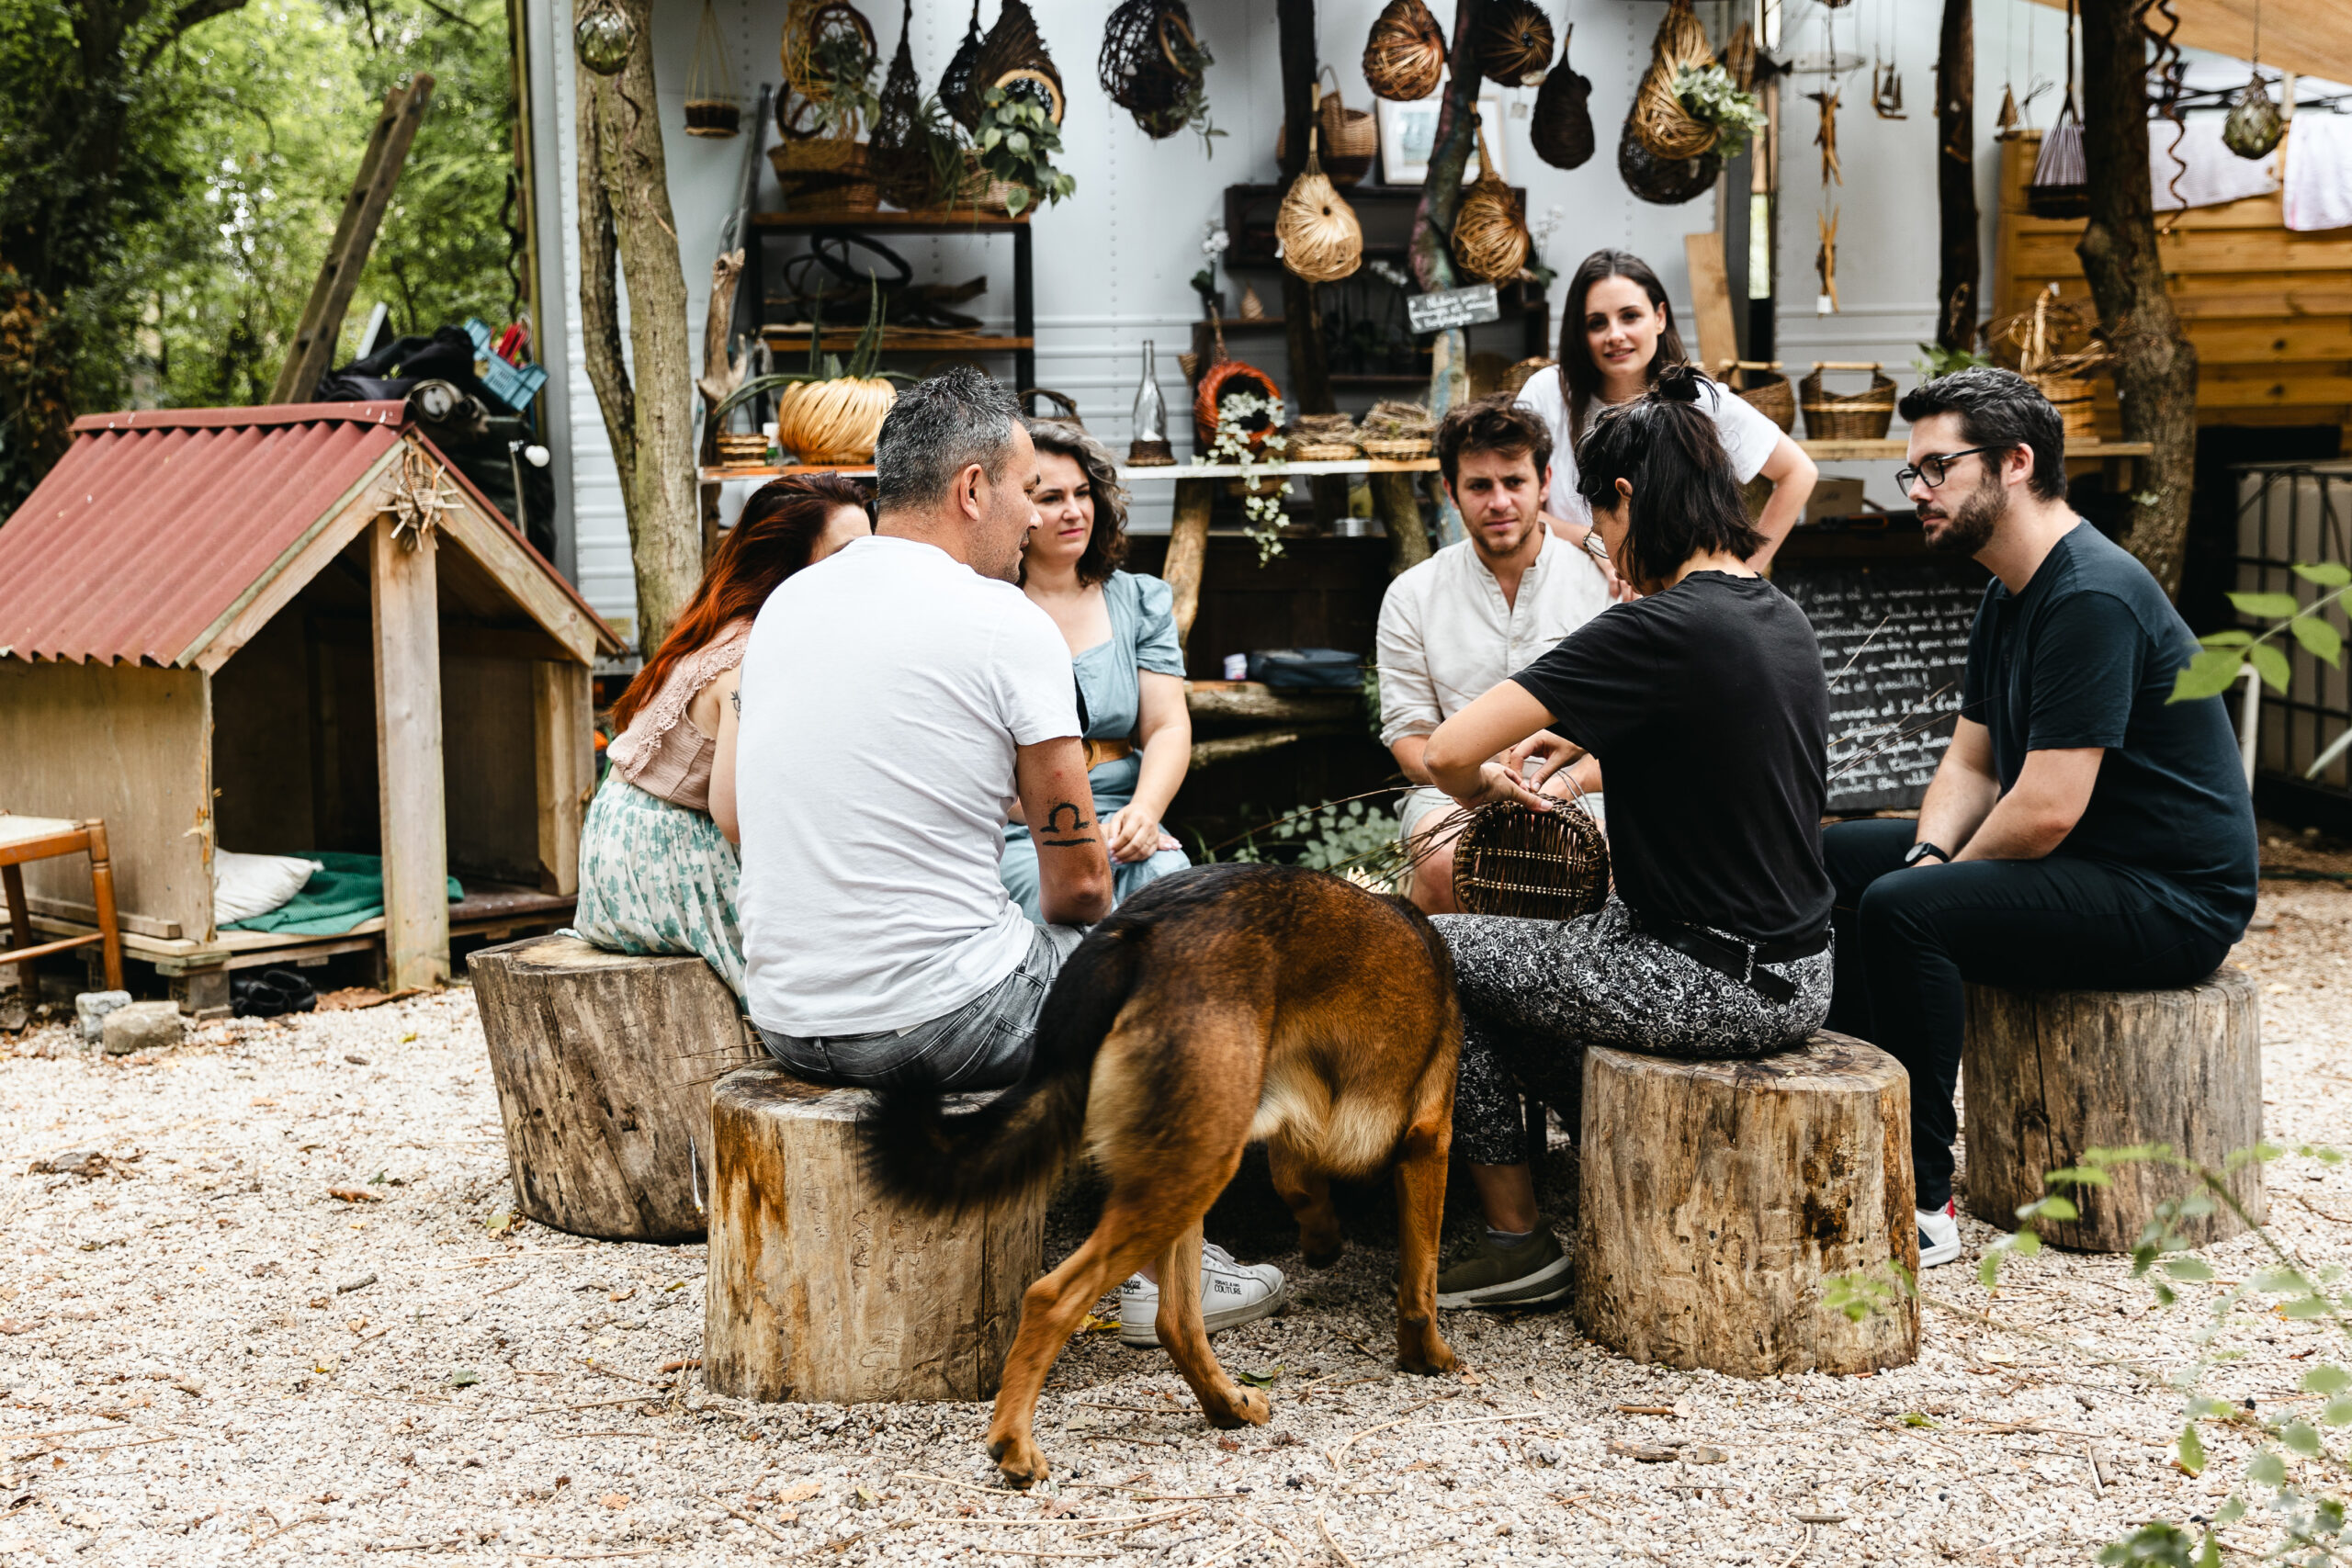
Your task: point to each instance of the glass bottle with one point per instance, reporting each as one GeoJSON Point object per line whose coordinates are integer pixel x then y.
{"type": "Point", "coordinates": [1151, 443]}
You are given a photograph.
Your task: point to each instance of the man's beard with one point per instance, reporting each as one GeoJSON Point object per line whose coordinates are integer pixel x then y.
{"type": "Point", "coordinates": [1968, 528]}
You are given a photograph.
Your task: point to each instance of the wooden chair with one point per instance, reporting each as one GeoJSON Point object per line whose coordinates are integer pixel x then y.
{"type": "Point", "coordinates": [26, 839]}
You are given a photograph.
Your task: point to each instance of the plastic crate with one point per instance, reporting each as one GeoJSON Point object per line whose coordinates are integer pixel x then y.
{"type": "Point", "coordinates": [513, 386]}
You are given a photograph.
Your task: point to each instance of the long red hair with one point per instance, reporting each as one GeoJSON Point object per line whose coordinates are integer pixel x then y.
{"type": "Point", "coordinates": [776, 537]}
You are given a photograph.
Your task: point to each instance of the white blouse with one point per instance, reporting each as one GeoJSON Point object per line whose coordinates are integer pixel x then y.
{"type": "Point", "coordinates": [1748, 437]}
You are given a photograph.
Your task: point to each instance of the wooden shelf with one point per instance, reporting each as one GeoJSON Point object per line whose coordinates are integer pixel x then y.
{"type": "Point", "coordinates": [1891, 449]}
{"type": "Point", "coordinates": [928, 221]}
{"type": "Point", "coordinates": [898, 340]}
{"type": "Point", "coordinates": [1275, 470]}
{"type": "Point", "coordinates": [714, 475]}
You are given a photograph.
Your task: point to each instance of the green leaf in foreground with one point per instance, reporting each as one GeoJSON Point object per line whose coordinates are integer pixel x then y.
{"type": "Point", "coordinates": [2209, 674]}
{"type": "Point", "coordinates": [2188, 1268]}
{"type": "Point", "coordinates": [2271, 660]}
{"type": "Point", "coordinates": [1262, 1380]}
{"type": "Point", "coordinates": [2269, 606]}
{"type": "Point", "coordinates": [2191, 1449]}
{"type": "Point", "coordinates": [2327, 574]}
{"type": "Point", "coordinates": [2320, 640]}
{"type": "Point", "coordinates": [2266, 1468]}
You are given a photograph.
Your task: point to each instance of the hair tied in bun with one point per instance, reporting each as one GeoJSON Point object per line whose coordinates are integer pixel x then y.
{"type": "Point", "coordinates": [1679, 383]}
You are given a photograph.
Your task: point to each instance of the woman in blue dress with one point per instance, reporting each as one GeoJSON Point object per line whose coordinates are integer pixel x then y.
{"type": "Point", "coordinates": [1121, 628]}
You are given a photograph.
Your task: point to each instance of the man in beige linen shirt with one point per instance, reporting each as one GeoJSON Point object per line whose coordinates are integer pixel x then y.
{"type": "Point", "coordinates": [1464, 619]}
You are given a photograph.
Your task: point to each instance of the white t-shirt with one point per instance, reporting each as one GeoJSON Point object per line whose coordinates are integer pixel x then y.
{"type": "Point", "coordinates": [884, 692]}
{"type": "Point", "coordinates": [1748, 437]}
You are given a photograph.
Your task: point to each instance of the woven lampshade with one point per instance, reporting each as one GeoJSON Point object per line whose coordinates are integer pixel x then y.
{"type": "Point", "coordinates": [1405, 56]}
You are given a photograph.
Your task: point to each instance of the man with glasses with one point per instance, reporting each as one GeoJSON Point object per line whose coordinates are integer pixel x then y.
{"type": "Point", "coordinates": [2082, 832]}
{"type": "Point", "coordinates": [1469, 616]}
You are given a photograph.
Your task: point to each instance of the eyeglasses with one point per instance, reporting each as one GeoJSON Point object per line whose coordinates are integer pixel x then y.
{"type": "Point", "coordinates": [1935, 469]}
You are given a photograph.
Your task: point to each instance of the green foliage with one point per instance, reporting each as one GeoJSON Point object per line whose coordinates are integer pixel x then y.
{"type": "Point", "coordinates": [843, 67]}
{"type": "Point", "coordinates": [2226, 655]}
{"type": "Point", "coordinates": [1935, 359]}
{"type": "Point", "coordinates": [1856, 1295]}
{"type": "Point", "coordinates": [1710, 95]}
{"type": "Point", "coordinates": [1017, 142]}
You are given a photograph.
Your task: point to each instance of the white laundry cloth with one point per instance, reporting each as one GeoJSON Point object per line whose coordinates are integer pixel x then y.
{"type": "Point", "coordinates": [2214, 174]}
{"type": "Point", "coordinates": [2319, 172]}
{"type": "Point", "coordinates": [246, 885]}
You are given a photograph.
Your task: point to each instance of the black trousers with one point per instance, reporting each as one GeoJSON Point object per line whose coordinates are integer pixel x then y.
{"type": "Point", "coordinates": [1906, 941]}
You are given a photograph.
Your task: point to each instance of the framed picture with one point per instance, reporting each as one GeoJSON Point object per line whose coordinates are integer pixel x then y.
{"type": "Point", "coordinates": [1409, 134]}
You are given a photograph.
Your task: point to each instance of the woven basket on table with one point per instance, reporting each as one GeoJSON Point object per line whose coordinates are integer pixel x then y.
{"type": "Point", "coordinates": [1536, 866]}
{"type": "Point", "coordinates": [1848, 416]}
{"type": "Point", "coordinates": [2072, 397]}
{"type": "Point", "coordinates": [1763, 389]}
{"type": "Point", "coordinates": [825, 175]}
{"type": "Point", "coordinates": [1396, 431]}
{"type": "Point", "coordinates": [1218, 382]}
{"type": "Point", "coordinates": [1659, 118]}
{"type": "Point", "coordinates": [1322, 438]}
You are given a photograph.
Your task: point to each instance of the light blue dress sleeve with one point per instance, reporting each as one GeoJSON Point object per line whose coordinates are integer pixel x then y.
{"type": "Point", "coordinates": [1156, 648]}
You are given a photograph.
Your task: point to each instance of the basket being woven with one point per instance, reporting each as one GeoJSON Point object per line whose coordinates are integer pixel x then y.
{"type": "Point", "coordinates": [1849, 416]}
{"type": "Point", "coordinates": [1536, 865]}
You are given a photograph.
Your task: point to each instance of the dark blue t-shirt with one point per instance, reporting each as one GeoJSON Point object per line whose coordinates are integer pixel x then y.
{"type": "Point", "coordinates": [2086, 657]}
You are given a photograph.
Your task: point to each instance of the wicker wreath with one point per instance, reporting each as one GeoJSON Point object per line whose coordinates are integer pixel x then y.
{"type": "Point", "coordinates": [1405, 56]}
{"type": "Point", "coordinates": [1320, 239]}
{"type": "Point", "coordinates": [1562, 126]}
{"type": "Point", "coordinates": [1659, 118]}
{"type": "Point", "coordinates": [1667, 181]}
{"type": "Point", "coordinates": [1220, 381]}
{"type": "Point", "coordinates": [1536, 865]}
{"type": "Point", "coordinates": [1512, 42]}
{"type": "Point", "coordinates": [1490, 238]}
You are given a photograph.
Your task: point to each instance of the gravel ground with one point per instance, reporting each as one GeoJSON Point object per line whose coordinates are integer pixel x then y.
{"type": "Point", "coordinates": [208, 1355]}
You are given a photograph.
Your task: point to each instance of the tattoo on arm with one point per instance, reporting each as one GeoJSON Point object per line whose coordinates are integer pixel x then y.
{"type": "Point", "coordinates": [735, 698]}
{"type": "Point", "coordinates": [1076, 826]}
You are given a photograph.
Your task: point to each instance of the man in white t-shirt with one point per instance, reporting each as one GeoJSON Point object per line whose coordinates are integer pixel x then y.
{"type": "Point", "coordinates": [1463, 620]}
{"type": "Point", "coordinates": [895, 699]}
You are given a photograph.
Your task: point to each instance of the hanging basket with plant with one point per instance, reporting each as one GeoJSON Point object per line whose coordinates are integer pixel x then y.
{"type": "Point", "coordinates": [957, 93]}
{"type": "Point", "coordinates": [1405, 56]}
{"type": "Point", "coordinates": [1665, 182]}
{"type": "Point", "coordinates": [712, 109]}
{"type": "Point", "coordinates": [1490, 238]}
{"type": "Point", "coordinates": [1154, 66]}
{"type": "Point", "coordinates": [1013, 59]}
{"type": "Point", "coordinates": [1664, 123]}
{"type": "Point", "coordinates": [1561, 129]}
{"type": "Point", "coordinates": [1317, 232]}
{"type": "Point", "coordinates": [1014, 149]}
{"type": "Point", "coordinates": [831, 413]}
{"type": "Point", "coordinates": [916, 152]}
{"type": "Point", "coordinates": [1512, 42]}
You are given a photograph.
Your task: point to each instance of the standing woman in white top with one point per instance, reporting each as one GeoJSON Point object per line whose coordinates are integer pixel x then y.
{"type": "Point", "coordinates": [1616, 334]}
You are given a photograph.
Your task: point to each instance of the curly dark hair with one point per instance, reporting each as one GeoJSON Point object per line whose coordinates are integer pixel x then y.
{"type": "Point", "coordinates": [1106, 547]}
{"type": "Point", "coordinates": [1686, 496]}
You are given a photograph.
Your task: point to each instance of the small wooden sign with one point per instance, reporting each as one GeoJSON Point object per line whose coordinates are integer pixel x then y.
{"type": "Point", "coordinates": [1453, 308]}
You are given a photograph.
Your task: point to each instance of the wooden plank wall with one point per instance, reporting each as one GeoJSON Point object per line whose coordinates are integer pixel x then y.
{"type": "Point", "coordinates": [2269, 310]}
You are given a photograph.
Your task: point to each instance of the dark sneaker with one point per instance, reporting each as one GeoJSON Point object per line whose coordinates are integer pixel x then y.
{"type": "Point", "coordinates": [1938, 1235]}
{"type": "Point", "coordinates": [1534, 1271]}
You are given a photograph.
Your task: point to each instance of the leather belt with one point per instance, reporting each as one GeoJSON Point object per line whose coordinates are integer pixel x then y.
{"type": "Point", "coordinates": [1101, 751]}
{"type": "Point", "coordinates": [1741, 960]}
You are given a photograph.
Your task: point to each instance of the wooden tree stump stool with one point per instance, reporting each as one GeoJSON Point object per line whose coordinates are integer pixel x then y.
{"type": "Point", "coordinates": [1714, 1198]}
{"type": "Point", "coordinates": [603, 1064]}
{"type": "Point", "coordinates": [2047, 1075]}
{"type": "Point", "coordinates": [821, 1291]}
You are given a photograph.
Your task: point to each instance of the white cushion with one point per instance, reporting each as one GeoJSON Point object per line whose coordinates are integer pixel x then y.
{"type": "Point", "coordinates": [246, 885]}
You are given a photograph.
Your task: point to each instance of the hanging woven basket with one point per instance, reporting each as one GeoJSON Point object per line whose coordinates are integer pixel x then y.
{"type": "Point", "coordinates": [1351, 137]}
{"type": "Point", "coordinates": [1319, 237]}
{"type": "Point", "coordinates": [1153, 64]}
{"type": "Point", "coordinates": [2059, 186]}
{"type": "Point", "coordinates": [1490, 238]}
{"type": "Point", "coordinates": [1536, 865]}
{"type": "Point", "coordinates": [1013, 57]}
{"type": "Point", "coordinates": [1222, 381]}
{"type": "Point", "coordinates": [712, 109]}
{"type": "Point", "coordinates": [1562, 126]}
{"type": "Point", "coordinates": [1512, 42]}
{"type": "Point", "coordinates": [1665, 128]}
{"type": "Point", "coordinates": [956, 91]}
{"type": "Point", "coordinates": [2252, 128]}
{"type": "Point", "coordinates": [1405, 56]}
{"type": "Point", "coordinates": [810, 34]}
{"type": "Point", "coordinates": [1667, 181]}
{"type": "Point", "coordinates": [899, 160]}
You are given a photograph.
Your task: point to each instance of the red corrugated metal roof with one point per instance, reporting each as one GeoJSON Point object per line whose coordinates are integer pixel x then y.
{"type": "Point", "coordinates": [156, 522]}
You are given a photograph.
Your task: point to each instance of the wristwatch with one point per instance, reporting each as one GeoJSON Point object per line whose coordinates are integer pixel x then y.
{"type": "Point", "coordinates": [1921, 851]}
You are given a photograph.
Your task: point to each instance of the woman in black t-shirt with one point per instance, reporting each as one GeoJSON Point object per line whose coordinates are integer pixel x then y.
{"type": "Point", "coordinates": [1705, 705]}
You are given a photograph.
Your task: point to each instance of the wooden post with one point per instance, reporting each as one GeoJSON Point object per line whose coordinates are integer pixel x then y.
{"type": "Point", "coordinates": [603, 1064]}
{"type": "Point", "coordinates": [2049, 1074]}
{"type": "Point", "coordinates": [1961, 260]}
{"type": "Point", "coordinates": [355, 234]}
{"type": "Point", "coordinates": [1714, 1198]}
{"type": "Point", "coordinates": [404, 604]}
{"type": "Point", "coordinates": [1188, 550]}
{"type": "Point", "coordinates": [1711, 314]}
{"type": "Point", "coordinates": [564, 760]}
{"type": "Point", "coordinates": [819, 1292]}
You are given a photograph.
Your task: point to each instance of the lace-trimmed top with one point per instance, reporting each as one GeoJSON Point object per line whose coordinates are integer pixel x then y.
{"type": "Point", "coordinates": [662, 751]}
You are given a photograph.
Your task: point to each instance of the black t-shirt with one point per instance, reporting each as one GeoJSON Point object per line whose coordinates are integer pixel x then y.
{"type": "Point", "coordinates": [2086, 657]}
{"type": "Point", "coordinates": [1708, 710]}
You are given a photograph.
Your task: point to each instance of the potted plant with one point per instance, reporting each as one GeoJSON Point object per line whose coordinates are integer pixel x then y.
{"type": "Point", "coordinates": [830, 412]}
{"type": "Point", "coordinates": [1014, 146]}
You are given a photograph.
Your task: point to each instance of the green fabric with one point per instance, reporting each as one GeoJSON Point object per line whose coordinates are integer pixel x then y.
{"type": "Point", "coordinates": [351, 889]}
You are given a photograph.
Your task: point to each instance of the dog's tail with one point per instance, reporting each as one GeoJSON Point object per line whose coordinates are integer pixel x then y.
{"type": "Point", "coordinates": [917, 1155]}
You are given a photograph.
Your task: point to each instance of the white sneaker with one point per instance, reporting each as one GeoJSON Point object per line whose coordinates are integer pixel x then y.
{"type": "Point", "coordinates": [1231, 1294]}
{"type": "Point", "coordinates": [1938, 1235]}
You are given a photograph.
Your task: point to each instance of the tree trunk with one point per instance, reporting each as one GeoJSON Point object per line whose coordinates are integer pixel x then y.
{"type": "Point", "coordinates": [1956, 178]}
{"type": "Point", "coordinates": [1433, 243]}
{"type": "Point", "coordinates": [2155, 368]}
{"type": "Point", "coordinates": [625, 211]}
{"type": "Point", "coordinates": [1714, 1199]}
{"type": "Point", "coordinates": [603, 1064]}
{"type": "Point", "coordinates": [818, 1290]}
{"type": "Point", "coordinates": [2049, 1074]}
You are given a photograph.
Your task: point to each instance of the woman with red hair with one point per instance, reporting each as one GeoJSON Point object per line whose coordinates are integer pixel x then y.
{"type": "Point", "coordinates": [658, 864]}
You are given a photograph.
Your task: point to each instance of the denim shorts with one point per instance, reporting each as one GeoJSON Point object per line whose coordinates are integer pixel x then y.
{"type": "Point", "coordinates": [985, 1043]}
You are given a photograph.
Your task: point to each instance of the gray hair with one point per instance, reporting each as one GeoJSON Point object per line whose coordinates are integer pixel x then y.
{"type": "Point", "coordinates": [935, 429]}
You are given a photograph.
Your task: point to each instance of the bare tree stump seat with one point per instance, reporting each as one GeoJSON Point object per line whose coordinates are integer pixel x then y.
{"type": "Point", "coordinates": [1715, 1198]}
{"type": "Point", "coordinates": [821, 1291]}
{"type": "Point", "coordinates": [2047, 1075]}
{"type": "Point", "coordinates": [603, 1064]}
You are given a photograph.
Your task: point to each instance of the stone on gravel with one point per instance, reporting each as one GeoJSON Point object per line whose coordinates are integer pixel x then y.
{"type": "Point", "coordinates": [142, 1026]}
{"type": "Point", "coordinates": [90, 1009]}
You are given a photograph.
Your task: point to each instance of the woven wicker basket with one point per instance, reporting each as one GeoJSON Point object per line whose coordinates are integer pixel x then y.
{"type": "Point", "coordinates": [741, 451]}
{"type": "Point", "coordinates": [1397, 451]}
{"type": "Point", "coordinates": [1225, 376]}
{"type": "Point", "coordinates": [825, 175]}
{"type": "Point", "coordinates": [1536, 866]}
{"type": "Point", "coordinates": [1303, 450]}
{"type": "Point", "coordinates": [2072, 397]}
{"type": "Point", "coordinates": [1848, 416]}
{"type": "Point", "coordinates": [1763, 389]}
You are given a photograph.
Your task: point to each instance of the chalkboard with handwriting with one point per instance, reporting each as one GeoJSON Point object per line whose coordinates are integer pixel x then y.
{"type": "Point", "coordinates": [1898, 631]}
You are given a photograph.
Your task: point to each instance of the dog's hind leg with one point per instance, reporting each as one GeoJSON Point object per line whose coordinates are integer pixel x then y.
{"type": "Point", "coordinates": [1186, 1338]}
{"type": "Point", "coordinates": [1308, 1193]}
{"type": "Point", "coordinates": [1420, 1213]}
{"type": "Point", "coordinates": [1050, 1311]}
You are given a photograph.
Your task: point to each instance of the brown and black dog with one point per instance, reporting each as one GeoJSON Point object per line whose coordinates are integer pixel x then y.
{"type": "Point", "coordinates": [1231, 1003]}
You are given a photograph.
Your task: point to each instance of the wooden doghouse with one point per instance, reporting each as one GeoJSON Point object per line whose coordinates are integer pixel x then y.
{"type": "Point", "coordinates": [277, 629]}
